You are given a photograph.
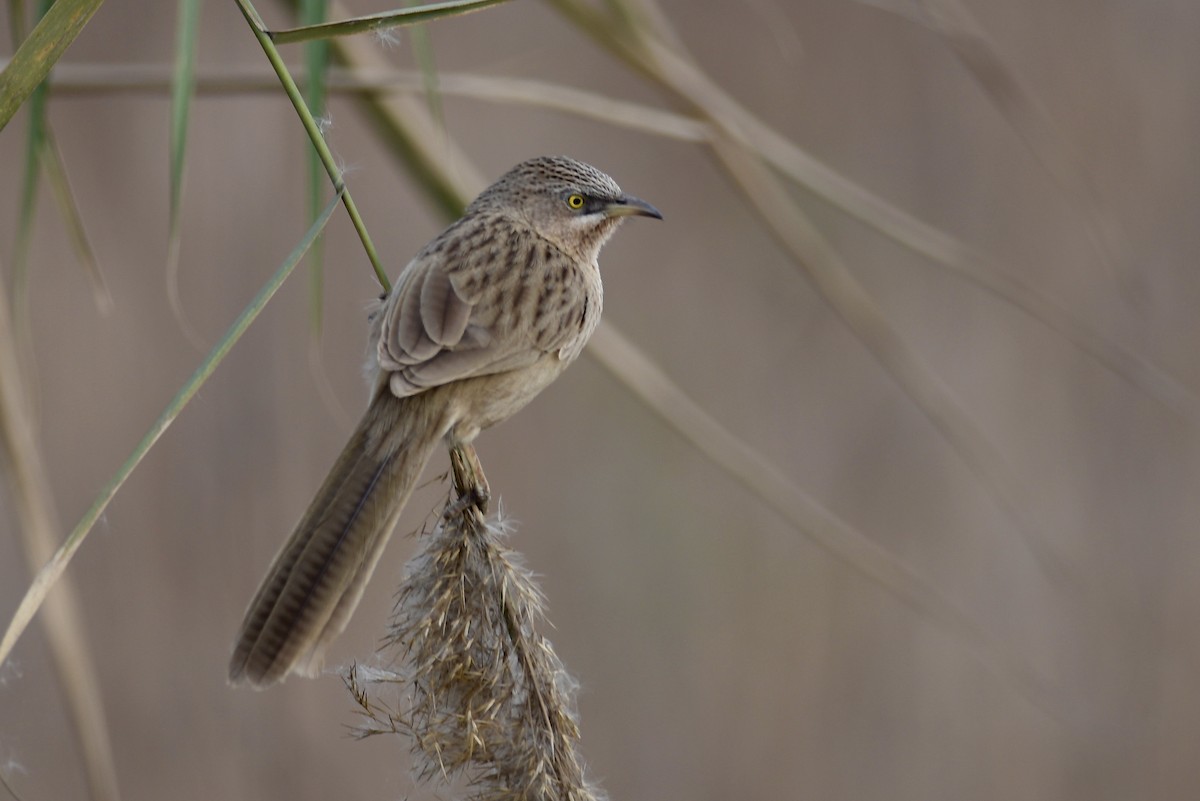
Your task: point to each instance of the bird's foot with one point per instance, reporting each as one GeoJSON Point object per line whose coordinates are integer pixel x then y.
{"type": "Point", "coordinates": [476, 497]}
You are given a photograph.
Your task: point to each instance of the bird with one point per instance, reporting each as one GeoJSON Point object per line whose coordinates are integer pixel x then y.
{"type": "Point", "coordinates": [483, 318]}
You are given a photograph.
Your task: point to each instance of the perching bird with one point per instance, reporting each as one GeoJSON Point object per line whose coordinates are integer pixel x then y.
{"type": "Point", "coordinates": [486, 316]}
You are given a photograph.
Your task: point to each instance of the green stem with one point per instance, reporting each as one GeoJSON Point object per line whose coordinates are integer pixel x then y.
{"type": "Point", "coordinates": [314, 134]}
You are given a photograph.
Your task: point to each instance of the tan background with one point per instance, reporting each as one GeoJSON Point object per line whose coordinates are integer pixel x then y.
{"type": "Point", "coordinates": [721, 654]}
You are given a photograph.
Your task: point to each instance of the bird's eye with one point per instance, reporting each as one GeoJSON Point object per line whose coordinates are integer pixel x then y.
{"type": "Point", "coordinates": [575, 201]}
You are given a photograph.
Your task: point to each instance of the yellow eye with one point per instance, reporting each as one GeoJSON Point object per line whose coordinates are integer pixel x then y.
{"type": "Point", "coordinates": [575, 201]}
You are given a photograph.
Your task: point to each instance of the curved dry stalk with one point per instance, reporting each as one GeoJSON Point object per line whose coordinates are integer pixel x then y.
{"type": "Point", "coordinates": [838, 538]}
{"type": "Point", "coordinates": [62, 613]}
{"type": "Point", "coordinates": [810, 251]}
{"type": "Point", "coordinates": [174, 297]}
{"type": "Point", "coordinates": [320, 378]}
{"type": "Point", "coordinates": [967, 39]}
{"type": "Point", "coordinates": [64, 197]}
{"type": "Point", "coordinates": [152, 78]}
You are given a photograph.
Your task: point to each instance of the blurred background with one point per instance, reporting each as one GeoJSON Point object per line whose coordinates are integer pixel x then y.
{"type": "Point", "coordinates": [721, 651]}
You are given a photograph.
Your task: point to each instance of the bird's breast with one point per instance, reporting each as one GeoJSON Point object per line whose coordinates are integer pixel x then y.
{"type": "Point", "coordinates": [483, 401]}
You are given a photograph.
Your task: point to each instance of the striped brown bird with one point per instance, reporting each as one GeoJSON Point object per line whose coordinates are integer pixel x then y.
{"type": "Point", "coordinates": [479, 322]}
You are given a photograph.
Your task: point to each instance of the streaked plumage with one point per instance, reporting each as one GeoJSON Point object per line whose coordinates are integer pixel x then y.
{"type": "Point", "coordinates": [481, 320]}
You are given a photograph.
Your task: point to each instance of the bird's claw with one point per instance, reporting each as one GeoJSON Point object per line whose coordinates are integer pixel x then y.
{"type": "Point", "coordinates": [475, 496]}
{"type": "Point", "coordinates": [469, 481]}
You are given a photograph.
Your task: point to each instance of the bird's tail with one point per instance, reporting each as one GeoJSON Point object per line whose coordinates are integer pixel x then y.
{"type": "Point", "coordinates": [318, 577]}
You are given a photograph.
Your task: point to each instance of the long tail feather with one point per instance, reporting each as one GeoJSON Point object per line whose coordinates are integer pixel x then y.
{"type": "Point", "coordinates": [318, 577]}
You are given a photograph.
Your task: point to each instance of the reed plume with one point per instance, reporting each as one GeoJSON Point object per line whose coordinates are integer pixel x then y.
{"type": "Point", "coordinates": [484, 696]}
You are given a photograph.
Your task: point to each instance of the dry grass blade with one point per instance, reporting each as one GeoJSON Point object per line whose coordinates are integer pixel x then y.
{"type": "Point", "coordinates": [39, 532]}
{"type": "Point", "coordinates": [486, 696]}
{"type": "Point", "coordinates": [949, 253]}
{"type": "Point", "coordinates": [840, 539]}
{"type": "Point", "coordinates": [94, 78]}
{"type": "Point", "coordinates": [8, 788]}
{"type": "Point", "coordinates": [810, 251]}
{"type": "Point", "coordinates": [422, 48]}
{"type": "Point", "coordinates": [951, 20]}
{"type": "Point", "coordinates": [60, 186]}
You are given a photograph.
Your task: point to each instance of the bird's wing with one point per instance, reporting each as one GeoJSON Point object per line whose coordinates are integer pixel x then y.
{"type": "Point", "coordinates": [443, 324]}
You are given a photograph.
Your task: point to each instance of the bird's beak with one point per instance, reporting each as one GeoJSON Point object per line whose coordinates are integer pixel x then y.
{"type": "Point", "coordinates": [630, 206]}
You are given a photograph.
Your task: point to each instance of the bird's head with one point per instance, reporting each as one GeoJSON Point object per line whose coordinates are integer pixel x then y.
{"type": "Point", "coordinates": [570, 203]}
